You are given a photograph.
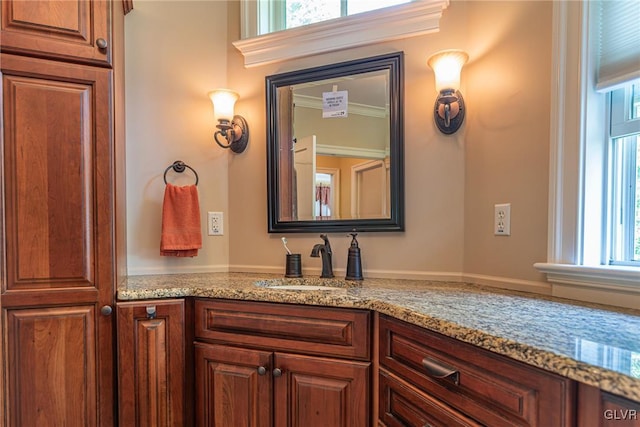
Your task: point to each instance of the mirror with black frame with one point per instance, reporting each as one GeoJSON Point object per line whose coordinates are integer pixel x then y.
{"type": "Point", "coordinates": [335, 147]}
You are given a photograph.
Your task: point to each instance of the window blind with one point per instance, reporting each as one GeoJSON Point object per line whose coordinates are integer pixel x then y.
{"type": "Point", "coordinates": [619, 50]}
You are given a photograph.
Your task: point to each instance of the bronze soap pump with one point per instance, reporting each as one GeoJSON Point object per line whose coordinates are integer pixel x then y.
{"type": "Point", "coordinates": [354, 260]}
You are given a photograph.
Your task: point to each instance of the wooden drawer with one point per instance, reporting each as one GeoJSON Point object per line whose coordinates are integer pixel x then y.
{"type": "Point", "coordinates": [490, 388]}
{"type": "Point", "coordinates": [334, 332]}
{"type": "Point", "coordinates": [403, 406]}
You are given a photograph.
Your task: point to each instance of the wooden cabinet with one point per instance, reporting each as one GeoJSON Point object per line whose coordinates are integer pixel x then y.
{"type": "Point", "coordinates": [58, 244]}
{"type": "Point", "coordinates": [151, 363]}
{"type": "Point", "coordinates": [70, 30]}
{"type": "Point", "coordinates": [469, 384]}
{"type": "Point", "coordinates": [597, 408]}
{"type": "Point", "coordinates": [261, 364]}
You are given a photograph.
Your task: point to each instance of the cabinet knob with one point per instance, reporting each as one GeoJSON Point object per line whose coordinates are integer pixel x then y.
{"type": "Point", "coordinates": [277, 372]}
{"type": "Point", "coordinates": [262, 370]}
{"type": "Point", "coordinates": [106, 310]}
{"type": "Point", "coordinates": [101, 43]}
{"type": "Point", "coordinates": [151, 311]}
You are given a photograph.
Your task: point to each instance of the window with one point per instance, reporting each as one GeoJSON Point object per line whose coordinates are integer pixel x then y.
{"type": "Point", "coordinates": [593, 182]}
{"type": "Point", "coordinates": [350, 23]}
{"type": "Point", "coordinates": [624, 235]}
{"type": "Point", "coordinates": [276, 15]}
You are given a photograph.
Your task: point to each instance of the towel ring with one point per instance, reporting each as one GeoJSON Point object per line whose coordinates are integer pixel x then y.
{"type": "Point", "coordinates": [179, 166]}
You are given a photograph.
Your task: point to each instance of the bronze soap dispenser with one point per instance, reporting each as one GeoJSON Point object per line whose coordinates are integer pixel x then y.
{"type": "Point", "coordinates": [354, 260]}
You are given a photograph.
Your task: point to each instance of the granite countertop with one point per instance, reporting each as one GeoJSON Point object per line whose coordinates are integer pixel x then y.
{"type": "Point", "coordinates": [596, 345]}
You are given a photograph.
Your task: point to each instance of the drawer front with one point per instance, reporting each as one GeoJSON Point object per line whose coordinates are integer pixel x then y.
{"type": "Point", "coordinates": [491, 388]}
{"type": "Point", "coordinates": [334, 332]}
{"type": "Point", "coordinates": [403, 406]}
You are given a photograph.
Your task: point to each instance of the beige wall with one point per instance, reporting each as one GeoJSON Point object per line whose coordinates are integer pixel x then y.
{"type": "Point", "coordinates": [452, 182]}
{"type": "Point", "coordinates": [508, 130]}
{"type": "Point", "coordinates": [177, 51]}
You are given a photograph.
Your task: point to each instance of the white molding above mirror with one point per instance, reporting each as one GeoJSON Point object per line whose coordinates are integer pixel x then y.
{"type": "Point", "coordinates": [401, 21]}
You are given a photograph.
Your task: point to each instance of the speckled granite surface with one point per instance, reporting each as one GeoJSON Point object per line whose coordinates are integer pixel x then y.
{"type": "Point", "coordinates": [595, 345]}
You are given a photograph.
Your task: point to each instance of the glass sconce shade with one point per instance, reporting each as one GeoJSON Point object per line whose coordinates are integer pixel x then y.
{"type": "Point", "coordinates": [447, 65]}
{"type": "Point", "coordinates": [223, 101]}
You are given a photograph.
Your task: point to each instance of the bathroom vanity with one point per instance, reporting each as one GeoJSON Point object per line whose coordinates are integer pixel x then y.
{"type": "Point", "coordinates": [386, 352]}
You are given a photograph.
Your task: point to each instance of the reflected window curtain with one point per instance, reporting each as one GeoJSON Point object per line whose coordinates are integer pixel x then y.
{"type": "Point", "coordinates": [323, 198]}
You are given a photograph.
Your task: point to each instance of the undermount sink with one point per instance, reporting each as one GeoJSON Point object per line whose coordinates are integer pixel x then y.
{"type": "Point", "coordinates": [306, 288]}
{"type": "Point", "coordinates": [307, 284]}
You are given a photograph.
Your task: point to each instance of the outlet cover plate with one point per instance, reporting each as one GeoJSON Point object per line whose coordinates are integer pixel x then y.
{"type": "Point", "coordinates": [502, 219]}
{"type": "Point", "coordinates": [215, 224]}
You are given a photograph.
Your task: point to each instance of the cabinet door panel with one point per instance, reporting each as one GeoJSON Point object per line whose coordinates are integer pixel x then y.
{"type": "Point", "coordinates": [230, 389]}
{"type": "Point", "coordinates": [57, 175]}
{"type": "Point", "coordinates": [151, 363]}
{"type": "Point", "coordinates": [318, 392]}
{"type": "Point", "coordinates": [67, 29]}
{"type": "Point", "coordinates": [597, 408]}
{"type": "Point", "coordinates": [51, 367]}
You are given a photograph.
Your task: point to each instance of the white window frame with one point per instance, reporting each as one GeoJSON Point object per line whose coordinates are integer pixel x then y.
{"type": "Point", "coordinates": [575, 269]}
{"type": "Point", "coordinates": [401, 21]}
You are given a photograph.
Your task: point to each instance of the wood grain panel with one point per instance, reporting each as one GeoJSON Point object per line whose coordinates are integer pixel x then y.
{"type": "Point", "coordinates": [229, 389]}
{"type": "Point", "coordinates": [49, 164]}
{"type": "Point", "coordinates": [319, 392]}
{"type": "Point", "coordinates": [57, 29]}
{"type": "Point", "coordinates": [151, 363]}
{"type": "Point", "coordinates": [402, 405]}
{"type": "Point", "coordinates": [56, 161]}
{"type": "Point", "coordinates": [492, 389]}
{"type": "Point", "coordinates": [600, 409]}
{"type": "Point", "coordinates": [51, 366]}
{"type": "Point", "coordinates": [331, 332]}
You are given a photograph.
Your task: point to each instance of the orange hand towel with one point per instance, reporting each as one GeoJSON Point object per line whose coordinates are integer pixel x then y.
{"type": "Point", "coordinates": [181, 233]}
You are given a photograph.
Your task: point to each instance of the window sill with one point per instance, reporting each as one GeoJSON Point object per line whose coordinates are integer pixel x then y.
{"type": "Point", "coordinates": [618, 278]}
{"type": "Point", "coordinates": [402, 21]}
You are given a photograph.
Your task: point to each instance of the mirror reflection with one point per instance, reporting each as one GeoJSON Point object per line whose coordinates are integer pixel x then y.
{"type": "Point", "coordinates": [335, 148]}
{"type": "Point", "coordinates": [340, 148]}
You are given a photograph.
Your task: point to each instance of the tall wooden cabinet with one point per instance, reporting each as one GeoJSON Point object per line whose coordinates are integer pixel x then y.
{"type": "Point", "coordinates": [61, 187]}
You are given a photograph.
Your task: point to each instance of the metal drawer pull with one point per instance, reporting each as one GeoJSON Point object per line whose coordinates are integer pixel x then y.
{"type": "Point", "coordinates": [262, 370]}
{"type": "Point", "coordinates": [440, 370]}
{"type": "Point", "coordinates": [277, 372]}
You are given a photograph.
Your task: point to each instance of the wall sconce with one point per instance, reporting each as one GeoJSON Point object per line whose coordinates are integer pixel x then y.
{"type": "Point", "coordinates": [234, 129]}
{"type": "Point", "coordinates": [449, 108]}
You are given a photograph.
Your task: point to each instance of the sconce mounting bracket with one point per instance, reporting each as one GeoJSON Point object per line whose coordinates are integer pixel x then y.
{"type": "Point", "coordinates": [454, 107]}
{"type": "Point", "coordinates": [235, 133]}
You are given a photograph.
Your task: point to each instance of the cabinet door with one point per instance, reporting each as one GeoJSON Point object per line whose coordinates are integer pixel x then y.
{"type": "Point", "coordinates": [151, 363]}
{"type": "Point", "coordinates": [320, 392]}
{"type": "Point", "coordinates": [58, 234]}
{"type": "Point", "coordinates": [233, 386]}
{"type": "Point", "coordinates": [600, 409]}
{"type": "Point", "coordinates": [76, 30]}
{"type": "Point", "coordinates": [52, 368]}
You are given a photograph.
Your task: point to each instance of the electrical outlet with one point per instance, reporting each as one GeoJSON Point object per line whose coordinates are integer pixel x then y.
{"type": "Point", "coordinates": [215, 224]}
{"type": "Point", "coordinates": [502, 219]}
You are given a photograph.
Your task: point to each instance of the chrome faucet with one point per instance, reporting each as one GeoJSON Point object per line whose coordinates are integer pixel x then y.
{"type": "Point", "coordinates": [324, 250]}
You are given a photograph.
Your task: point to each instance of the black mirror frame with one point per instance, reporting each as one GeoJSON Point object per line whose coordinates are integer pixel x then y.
{"type": "Point", "coordinates": [395, 64]}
